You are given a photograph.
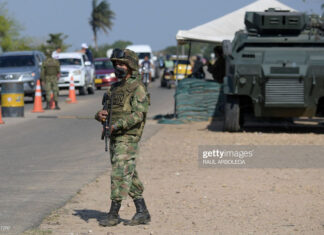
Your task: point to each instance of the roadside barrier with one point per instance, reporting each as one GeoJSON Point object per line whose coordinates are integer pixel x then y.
{"type": "Point", "coordinates": [197, 100]}
{"type": "Point", "coordinates": [38, 99]}
{"type": "Point", "coordinates": [12, 99]}
{"type": "Point", "coordinates": [72, 97]}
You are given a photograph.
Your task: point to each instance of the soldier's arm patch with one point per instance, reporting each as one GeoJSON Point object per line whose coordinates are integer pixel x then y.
{"type": "Point", "coordinates": [140, 93]}
{"type": "Point", "coordinates": [140, 100]}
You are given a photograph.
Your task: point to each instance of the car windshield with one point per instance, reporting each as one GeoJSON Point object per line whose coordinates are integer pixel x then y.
{"type": "Point", "coordinates": [143, 54]}
{"type": "Point", "coordinates": [17, 61]}
{"type": "Point", "coordinates": [103, 64]}
{"type": "Point", "coordinates": [70, 61]}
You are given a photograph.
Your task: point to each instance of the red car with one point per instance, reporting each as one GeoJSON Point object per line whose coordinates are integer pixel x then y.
{"type": "Point", "coordinates": [105, 73]}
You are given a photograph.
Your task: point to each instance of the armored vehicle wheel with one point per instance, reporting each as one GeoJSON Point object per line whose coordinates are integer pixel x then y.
{"type": "Point", "coordinates": [232, 114]}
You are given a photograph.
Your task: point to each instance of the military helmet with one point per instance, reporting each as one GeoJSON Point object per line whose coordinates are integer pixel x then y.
{"type": "Point", "coordinates": [47, 52]}
{"type": "Point", "coordinates": [126, 56]}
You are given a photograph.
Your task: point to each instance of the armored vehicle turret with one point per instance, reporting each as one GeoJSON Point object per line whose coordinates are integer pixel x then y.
{"type": "Point", "coordinates": [274, 68]}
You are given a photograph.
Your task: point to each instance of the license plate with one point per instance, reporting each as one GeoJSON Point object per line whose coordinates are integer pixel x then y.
{"type": "Point", "coordinates": [98, 81]}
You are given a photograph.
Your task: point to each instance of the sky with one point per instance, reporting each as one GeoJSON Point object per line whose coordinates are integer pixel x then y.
{"type": "Point", "coordinates": [153, 22]}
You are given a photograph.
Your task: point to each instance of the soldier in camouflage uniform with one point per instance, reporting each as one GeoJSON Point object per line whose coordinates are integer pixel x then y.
{"type": "Point", "coordinates": [49, 75]}
{"type": "Point", "coordinates": [129, 109]}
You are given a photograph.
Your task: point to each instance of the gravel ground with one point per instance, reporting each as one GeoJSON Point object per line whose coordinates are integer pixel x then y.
{"type": "Point", "coordinates": [186, 199]}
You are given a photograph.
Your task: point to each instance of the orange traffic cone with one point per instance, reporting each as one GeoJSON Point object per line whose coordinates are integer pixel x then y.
{"type": "Point", "coordinates": [52, 102]}
{"type": "Point", "coordinates": [38, 99]}
{"type": "Point", "coordinates": [1, 122]}
{"type": "Point", "coordinates": [72, 96]}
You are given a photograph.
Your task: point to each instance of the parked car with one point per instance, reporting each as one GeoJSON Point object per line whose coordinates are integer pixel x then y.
{"type": "Point", "coordinates": [76, 64]}
{"type": "Point", "coordinates": [22, 66]}
{"type": "Point", "coordinates": [105, 73]}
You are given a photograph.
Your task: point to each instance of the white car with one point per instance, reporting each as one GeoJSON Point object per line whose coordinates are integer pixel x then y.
{"type": "Point", "coordinates": [76, 64]}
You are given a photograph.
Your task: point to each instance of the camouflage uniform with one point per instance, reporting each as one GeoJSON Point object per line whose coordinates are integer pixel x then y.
{"type": "Point", "coordinates": [50, 70]}
{"type": "Point", "coordinates": [130, 105]}
{"type": "Point", "coordinates": [129, 108]}
{"type": "Point", "coordinates": [128, 131]}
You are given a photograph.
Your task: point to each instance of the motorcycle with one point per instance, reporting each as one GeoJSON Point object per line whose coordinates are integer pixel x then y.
{"type": "Point", "coordinates": [146, 75]}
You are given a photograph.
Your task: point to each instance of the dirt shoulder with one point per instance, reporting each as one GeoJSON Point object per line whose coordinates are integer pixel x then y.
{"type": "Point", "coordinates": [186, 199]}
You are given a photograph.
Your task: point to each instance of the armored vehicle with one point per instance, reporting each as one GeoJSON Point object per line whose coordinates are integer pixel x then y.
{"type": "Point", "coordinates": [274, 68]}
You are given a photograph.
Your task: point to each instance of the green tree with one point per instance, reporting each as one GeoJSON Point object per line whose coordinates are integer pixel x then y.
{"type": "Point", "coordinates": [121, 44]}
{"type": "Point", "coordinates": [102, 49]}
{"type": "Point", "coordinates": [101, 19]}
{"type": "Point", "coordinates": [55, 40]}
{"type": "Point", "coordinates": [170, 50]}
{"type": "Point", "coordinates": [9, 33]}
{"type": "Point", "coordinates": [197, 48]}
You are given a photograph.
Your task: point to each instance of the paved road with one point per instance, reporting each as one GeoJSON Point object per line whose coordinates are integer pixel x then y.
{"type": "Point", "coordinates": [46, 158]}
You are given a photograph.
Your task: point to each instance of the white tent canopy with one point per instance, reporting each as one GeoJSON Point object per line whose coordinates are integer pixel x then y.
{"type": "Point", "coordinates": [224, 28]}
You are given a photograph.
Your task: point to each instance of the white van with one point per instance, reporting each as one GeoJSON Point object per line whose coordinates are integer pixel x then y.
{"type": "Point", "coordinates": [142, 51]}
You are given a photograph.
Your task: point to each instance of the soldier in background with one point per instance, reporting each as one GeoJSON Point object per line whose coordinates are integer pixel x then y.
{"type": "Point", "coordinates": [198, 68]}
{"type": "Point", "coordinates": [129, 109]}
{"type": "Point", "coordinates": [218, 68]}
{"type": "Point", "coordinates": [50, 73]}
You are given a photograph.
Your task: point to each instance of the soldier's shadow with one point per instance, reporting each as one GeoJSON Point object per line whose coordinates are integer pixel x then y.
{"type": "Point", "coordinates": [86, 215]}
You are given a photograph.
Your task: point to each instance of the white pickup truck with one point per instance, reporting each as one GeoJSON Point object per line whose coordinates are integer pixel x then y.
{"type": "Point", "coordinates": [76, 64]}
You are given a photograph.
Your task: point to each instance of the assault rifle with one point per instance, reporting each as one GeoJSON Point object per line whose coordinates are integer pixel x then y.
{"type": "Point", "coordinates": [106, 132]}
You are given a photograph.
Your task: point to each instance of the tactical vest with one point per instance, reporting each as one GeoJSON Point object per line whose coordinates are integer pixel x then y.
{"type": "Point", "coordinates": [122, 94]}
{"type": "Point", "coordinates": [51, 67]}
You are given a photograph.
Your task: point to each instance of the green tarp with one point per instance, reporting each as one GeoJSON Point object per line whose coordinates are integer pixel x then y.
{"type": "Point", "coordinates": [197, 100]}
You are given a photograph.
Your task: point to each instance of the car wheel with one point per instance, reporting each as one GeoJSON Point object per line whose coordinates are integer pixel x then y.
{"type": "Point", "coordinates": [82, 90]}
{"type": "Point", "coordinates": [98, 87]}
{"type": "Point", "coordinates": [91, 89]}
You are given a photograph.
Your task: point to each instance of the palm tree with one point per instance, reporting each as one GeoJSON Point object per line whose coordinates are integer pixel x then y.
{"type": "Point", "coordinates": [101, 18]}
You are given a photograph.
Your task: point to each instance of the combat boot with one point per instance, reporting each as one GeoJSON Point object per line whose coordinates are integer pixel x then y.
{"type": "Point", "coordinates": [113, 218]}
{"type": "Point", "coordinates": [142, 216]}
{"type": "Point", "coordinates": [47, 106]}
{"type": "Point", "coordinates": [56, 106]}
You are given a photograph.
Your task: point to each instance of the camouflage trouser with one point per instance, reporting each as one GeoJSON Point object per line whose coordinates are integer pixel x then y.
{"type": "Point", "coordinates": [124, 177]}
{"type": "Point", "coordinates": [51, 85]}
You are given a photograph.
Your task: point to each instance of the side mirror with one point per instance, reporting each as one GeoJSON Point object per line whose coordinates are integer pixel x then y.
{"type": "Point", "coordinates": [87, 63]}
